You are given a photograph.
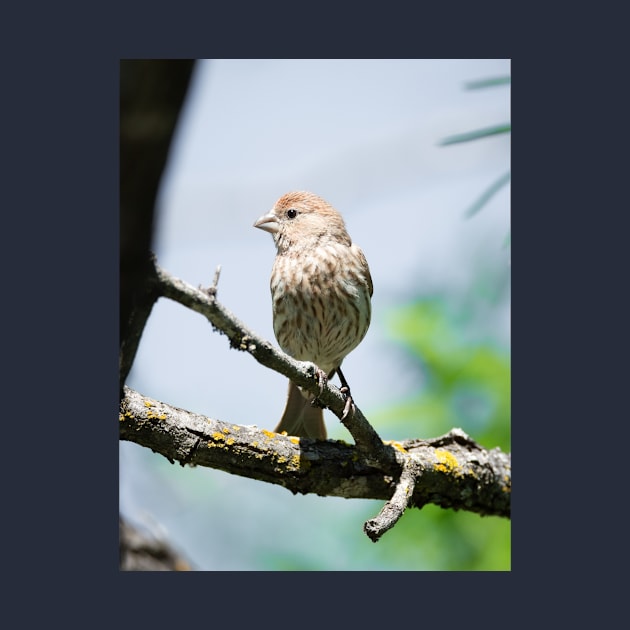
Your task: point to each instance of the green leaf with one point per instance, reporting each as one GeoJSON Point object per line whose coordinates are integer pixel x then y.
{"type": "Point", "coordinates": [488, 194]}
{"type": "Point", "coordinates": [475, 135]}
{"type": "Point", "coordinates": [484, 83]}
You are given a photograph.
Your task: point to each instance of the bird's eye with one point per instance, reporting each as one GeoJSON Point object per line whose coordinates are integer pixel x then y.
{"type": "Point", "coordinates": [292, 213]}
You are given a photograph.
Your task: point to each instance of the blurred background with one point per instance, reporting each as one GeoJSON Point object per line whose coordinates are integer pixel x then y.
{"type": "Point", "coordinates": [368, 136]}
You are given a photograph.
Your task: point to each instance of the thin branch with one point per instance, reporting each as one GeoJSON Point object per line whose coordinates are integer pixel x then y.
{"type": "Point", "coordinates": [302, 373]}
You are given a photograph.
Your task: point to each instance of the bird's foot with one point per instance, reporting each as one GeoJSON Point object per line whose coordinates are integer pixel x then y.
{"type": "Point", "coordinates": [322, 380]}
{"type": "Point", "coordinates": [345, 390]}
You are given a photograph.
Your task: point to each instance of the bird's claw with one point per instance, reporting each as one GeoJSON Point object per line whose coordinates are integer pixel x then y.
{"type": "Point", "coordinates": [322, 380]}
{"type": "Point", "coordinates": [349, 402]}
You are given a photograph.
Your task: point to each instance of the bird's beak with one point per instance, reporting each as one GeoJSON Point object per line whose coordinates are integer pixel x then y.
{"type": "Point", "coordinates": [268, 222]}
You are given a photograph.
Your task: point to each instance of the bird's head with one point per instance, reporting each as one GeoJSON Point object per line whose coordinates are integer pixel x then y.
{"type": "Point", "coordinates": [303, 219]}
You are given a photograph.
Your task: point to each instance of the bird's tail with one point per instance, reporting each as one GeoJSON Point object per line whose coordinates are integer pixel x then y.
{"type": "Point", "coordinates": [300, 418]}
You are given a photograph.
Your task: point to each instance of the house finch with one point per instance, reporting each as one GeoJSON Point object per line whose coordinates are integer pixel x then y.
{"type": "Point", "coordinates": [320, 291]}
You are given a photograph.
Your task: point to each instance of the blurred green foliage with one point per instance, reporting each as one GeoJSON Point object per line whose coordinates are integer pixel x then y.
{"type": "Point", "coordinates": [464, 381]}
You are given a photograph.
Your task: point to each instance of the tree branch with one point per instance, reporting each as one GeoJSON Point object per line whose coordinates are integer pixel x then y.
{"type": "Point", "coordinates": [450, 471]}
{"type": "Point", "coordinates": [151, 95]}
{"type": "Point", "coordinates": [140, 551]}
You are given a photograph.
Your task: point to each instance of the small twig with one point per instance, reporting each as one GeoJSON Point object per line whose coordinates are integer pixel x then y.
{"type": "Point", "coordinates": [396, 506]}
{"type": "Point", "coordinates": [212, 289]}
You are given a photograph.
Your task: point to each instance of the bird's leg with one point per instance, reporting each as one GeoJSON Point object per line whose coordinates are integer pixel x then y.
{"type": "Point", "coordinates": [345, 389]}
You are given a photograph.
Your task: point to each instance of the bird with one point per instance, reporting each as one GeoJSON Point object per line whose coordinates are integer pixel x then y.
{"type": "Point", "coordinates": [321, 291]}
